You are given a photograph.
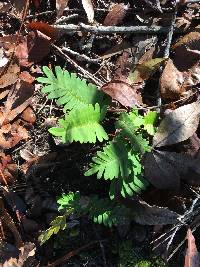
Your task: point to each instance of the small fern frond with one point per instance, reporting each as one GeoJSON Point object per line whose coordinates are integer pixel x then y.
{"type": "Point", "coordinates": [129, 124]}
{"type": "Point", "coordinates": [69, 90]}
{"type": "Point", "coordinates": [82, 125]}
{"type": "Point", "coordinates": [102, 211]}
{"type": "Point", "coordinates": [112, 162]}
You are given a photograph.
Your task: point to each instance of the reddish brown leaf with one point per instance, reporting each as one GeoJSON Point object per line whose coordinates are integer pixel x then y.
{"type": "Point", "coordinates": [60, 7]}
{"type": "Point", "coordinates": [26, 77]}
{"type": "Point", "coordinates": [21, 52]}
{"type": "Point", "coordinates": [192, 257]}
{"type": "Point", "coordinates": [44, 28]}
{"type": "Point", "coordinates": [116, 15]}
{"type": "Point", "coordinates": [38, 46]}
{"type": "Point", "coordinates": [29, 115]}
{"type": "Point", "coordinates": [122, 92]}
{"type": "Point", "coordinates": [8, 169]}
{"type": "Point", "coordinates": [171, 81]}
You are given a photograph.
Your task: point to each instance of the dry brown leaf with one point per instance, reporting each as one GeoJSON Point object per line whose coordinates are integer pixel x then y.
{"type": "Point", "coordinates": [9, 169]}
{"type": "Point", "coordinates": [171, 81]}
{"type": "Point", "coordinates": [116, 15]}
{"type": "Point", "coordinates": [38, 46]}
{"type": "Point", "coordinates": [29, 115]}
{"type": "Point", "coordinates": [10, 76]}
{"type": "Point", "coordinates": [26, 77]}
{"type": "Point", "coordinates": [178, 125]}
{"type": "Point", "coordinates": [18, 99]}
{"type": "Point", "coordinates": [122, 92]}
{"type": "Point", "coordinates": [21, 52]}
{"type": "Point", "coordinates": [60, 7]}
{"type": "Point", "coordinates": [19, 6]}
{"type": "Point", "coordinates": [192, 257]}
{"type": "Point", "coordinates": [88, 6]}
{"type": "Point", "coordinates": [11, 135]}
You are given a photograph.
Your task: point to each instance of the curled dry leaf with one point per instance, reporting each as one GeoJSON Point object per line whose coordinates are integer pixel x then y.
{"type": "Point", "coordinates": [192, 257]}
{"type": "Point", "coordinates": [88, 6]}
{"type": "Point", "coordinates": [29, 115]}
{"type": "Point", "coordinates": [60, 7]}
{"type": "Point", "coordinates": [178, 125]}
{"type": "Point", "coordinates": [116, 15]}
{"type": "Point", "coordinates": [44, 28]}
{"type": "Point", "coordinates": [171, 82]}
{"type": "Point", "coordinates": [122, 92]}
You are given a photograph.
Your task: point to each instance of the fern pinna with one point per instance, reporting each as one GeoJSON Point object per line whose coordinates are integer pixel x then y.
{"type": "Point", "coordinates": [119, 160]}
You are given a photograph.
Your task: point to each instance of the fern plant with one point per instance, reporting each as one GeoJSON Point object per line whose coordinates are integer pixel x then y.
{"type": "Point", "coordinates": [119, 161]}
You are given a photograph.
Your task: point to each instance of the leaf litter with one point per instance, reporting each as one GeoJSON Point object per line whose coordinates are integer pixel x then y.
{"type": "Point", "coordinates": [168, 165]}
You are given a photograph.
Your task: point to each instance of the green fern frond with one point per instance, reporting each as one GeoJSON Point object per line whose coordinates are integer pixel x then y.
{"type": "Point", "coordinates": [102, 211]}
{"type": "Point", "coordinates": [112, 162]}
{"type": "Point", "coordinates": [82, 125]}
{"type": "Point", "coordinates": [69, 90]}
{"type": "Point", "coordinates": [129, 124]}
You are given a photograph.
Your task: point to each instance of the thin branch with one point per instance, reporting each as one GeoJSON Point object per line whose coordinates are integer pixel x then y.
{"type": "Point", "coordinates": [113, 29]}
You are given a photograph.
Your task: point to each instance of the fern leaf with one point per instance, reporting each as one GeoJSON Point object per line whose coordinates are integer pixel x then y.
{"type": "Point", "coordinates": [112, 162]}
{"type": "Point", "coordinates": [82, 125]}
{"type": "Point", "coordinates": [69, 90]}
{"type": "Point", "coordinates": [129, 124]}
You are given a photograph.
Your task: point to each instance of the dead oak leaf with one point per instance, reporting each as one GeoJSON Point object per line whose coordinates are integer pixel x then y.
{"type": "Point", "coordinates": [122, 92]}
{"type": "Point", "coordinates": [10, 75]}
{"type": "Point", "coordinates": [178, 125]}
{"type": "Point", "coordinates": [171, 82]}
{"type": "Point", "coordinates": [116, 15]}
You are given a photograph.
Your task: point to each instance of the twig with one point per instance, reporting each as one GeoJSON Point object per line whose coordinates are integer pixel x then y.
{"type": "Point", "coordinates": [81, 57]}
{"type": "Point", "coordinates": [85, 72]}
{"type": "Point", "coordinates": [113, 29]}
{"type": "Point", "coordinates": [72, 253]}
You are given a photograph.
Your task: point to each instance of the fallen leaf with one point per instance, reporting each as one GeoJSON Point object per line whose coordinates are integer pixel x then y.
{"type": "Point", "coordinates": [29, 115]}
{"type": "Point", "coordinates": [116, 15]}
{"type": "Point", "coordinates": [192, 257]}
{"type": "Point", "coordinates": [60, 7]}
{"type": "Point", "coordinates": [11, 135]}
{"type": "Point", "coordinates": [178, 125]}
{"type": "Point", "coordinates": [19, 98]}
{"type": "Point", "coordinates": [122, 92]}
{"type": "Point", "coordinates": [21, 52]}
{"type": "Point", "coordinates": [164, 169]}
{"type": "Point", "coordinates": [171, 82]}
{"type": "Point", "coordinates": [88, 6]}
{"type": "Point", "coordinates": [26, 77]}
{"type": "Point", "coordinates": [183, 50]}
{"type": "Point", "coordinates": [38, 46]}
{"type": "Point", "coordinates": [9, 170]}
{"type": "Point", "coordinates": [36, 3]}
{"type": "Point", "coordinates": [10, 76]}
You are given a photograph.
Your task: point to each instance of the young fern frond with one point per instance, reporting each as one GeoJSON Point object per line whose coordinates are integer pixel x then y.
{"type": "Point", "coordinates": [82, 125]}
{"type": "Point", "coordinates": [112, 162]}
{"type": "Point", "coordinates": [69, 90]}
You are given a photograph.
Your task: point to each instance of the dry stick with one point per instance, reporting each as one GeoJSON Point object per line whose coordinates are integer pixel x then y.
{"type": "Point", "coordinates": [72, 253]}
{"type": "Point", "coordinates": [81, 57]}
{"type": "Point", "coordinates": [85, 72]}
{"type": "Point", "coordinates": [113, 29]}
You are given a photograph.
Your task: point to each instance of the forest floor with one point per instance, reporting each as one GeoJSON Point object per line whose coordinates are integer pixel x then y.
{"type": "Point", "coordinates": [144, 55]}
